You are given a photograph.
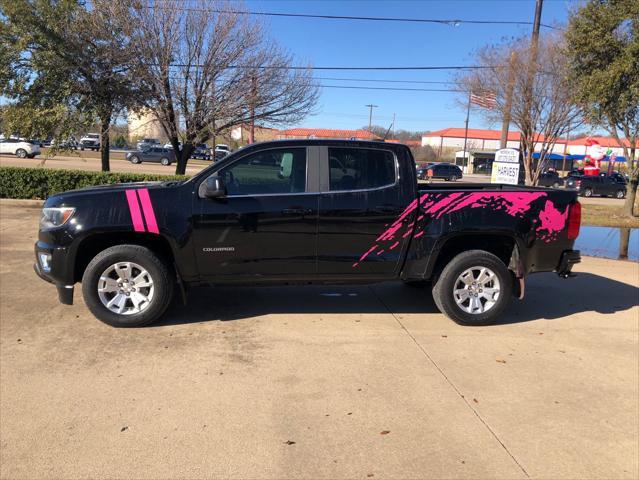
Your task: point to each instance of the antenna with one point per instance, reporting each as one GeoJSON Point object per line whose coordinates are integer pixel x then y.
{"type": "Point", "coordinates": [386, 134]}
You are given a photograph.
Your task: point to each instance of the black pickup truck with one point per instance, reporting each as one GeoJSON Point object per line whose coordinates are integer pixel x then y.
{"type": "Point", "coordinates": [302, 212]}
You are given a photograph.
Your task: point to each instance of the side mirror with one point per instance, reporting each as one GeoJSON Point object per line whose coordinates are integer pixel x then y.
{"type": "Point", "coordinates": [212, 187]}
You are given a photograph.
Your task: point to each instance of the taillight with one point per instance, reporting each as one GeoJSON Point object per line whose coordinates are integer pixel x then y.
{"type": "Point", "coordinates": [574, 220]}
{"type": "Point", "coordinates": [578, 183]}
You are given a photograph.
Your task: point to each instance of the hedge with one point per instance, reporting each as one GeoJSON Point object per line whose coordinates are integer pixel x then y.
{"type": "Point", "coordinates": [41, 183]}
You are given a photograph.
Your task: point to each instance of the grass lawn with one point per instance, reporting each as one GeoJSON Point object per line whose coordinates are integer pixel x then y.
{"type": "Point", "coordinates": [606, 216]}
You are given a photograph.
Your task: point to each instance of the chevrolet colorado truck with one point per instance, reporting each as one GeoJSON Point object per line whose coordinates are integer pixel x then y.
{"type": "Point", "coordinates": [304, 212]}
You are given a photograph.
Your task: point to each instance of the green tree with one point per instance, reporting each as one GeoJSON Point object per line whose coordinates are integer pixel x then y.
{"type": "Point", "coordinates": [64, 66]}
{"type": "Point", "coordinates": [602, 43]}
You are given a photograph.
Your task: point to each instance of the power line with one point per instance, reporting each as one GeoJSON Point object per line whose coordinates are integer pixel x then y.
{"type": "Point", "coordinates": [297, 67]}
{"type": "Point", "coordinates": [379, 80]}
{"type": "Point", "coordinates": [361, 87]}
{"type": "Point", "coordinates": [450, 22]}
{"type": "Point", "coordinates": [393, 89]}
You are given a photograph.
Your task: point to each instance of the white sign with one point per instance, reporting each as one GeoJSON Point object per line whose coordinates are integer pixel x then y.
{"type": "Point", "coordinates": [507, 155]}
{"type": "Point", "coordinates": [506, 167]}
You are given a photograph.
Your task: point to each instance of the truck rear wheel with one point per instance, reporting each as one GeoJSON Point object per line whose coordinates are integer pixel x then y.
{"type": "Point", "coordinates": [127, 286]}
{"type": "Point", "coordinates": [474, 288]}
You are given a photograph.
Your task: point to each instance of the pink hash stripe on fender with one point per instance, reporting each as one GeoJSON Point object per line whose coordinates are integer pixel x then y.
{"type": "Point", "coordinates": [147, 208]}
{"type": "Point", "coordinates": [134, 209]}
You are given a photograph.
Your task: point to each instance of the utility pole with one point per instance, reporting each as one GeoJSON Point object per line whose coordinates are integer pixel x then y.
{"type": "Point", "coordinates": [528, 93]}
{"type": "Point", "coordinates": [251, 139]}
{"type": "Point", "coordinates": [537, 22]}
{"type": "Point", "coordinates": [508, 101]}
{"type": "Point", "coordinates": [370, 115]}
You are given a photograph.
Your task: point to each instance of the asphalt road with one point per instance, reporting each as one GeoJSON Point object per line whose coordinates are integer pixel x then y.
{"type": "Point", "coordinates": [88, 161]}
{"type": "Point", "coordinates": [319, 382]}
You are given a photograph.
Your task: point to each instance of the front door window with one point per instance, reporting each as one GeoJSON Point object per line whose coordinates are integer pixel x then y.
{"type": "Point", "coordinates": [277, 171]}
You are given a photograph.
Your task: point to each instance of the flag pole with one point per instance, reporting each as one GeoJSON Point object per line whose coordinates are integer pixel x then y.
{"type": "Point", "coordinates": [466, 133]}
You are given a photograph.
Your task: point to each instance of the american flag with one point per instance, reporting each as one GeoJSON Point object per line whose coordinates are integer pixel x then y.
{"type": "Point", "coordinates": [485, 99]}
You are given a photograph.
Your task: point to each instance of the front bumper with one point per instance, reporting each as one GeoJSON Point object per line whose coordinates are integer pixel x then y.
{"type": "Point", "coordinates": [566, 261]}
{"type": "Point", "coordinates": [65, 292]}
{"type": "Point", "coordinates": [57, 274]}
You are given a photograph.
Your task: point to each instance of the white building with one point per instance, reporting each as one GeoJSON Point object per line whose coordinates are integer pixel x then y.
{"type": "Point", "coordinates": [478, 139]}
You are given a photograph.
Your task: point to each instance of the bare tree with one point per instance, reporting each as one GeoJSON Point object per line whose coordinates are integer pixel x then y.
{"type": "Point", "coordinates": [209, 69]}
{"type": "Point", "coordinates": [548, 114]}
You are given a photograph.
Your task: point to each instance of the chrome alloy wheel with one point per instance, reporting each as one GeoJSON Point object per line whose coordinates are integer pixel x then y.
{"type": "Point", "coordinates": [476, 290]}
{"type": "Point", "coordinates": [125, 288]}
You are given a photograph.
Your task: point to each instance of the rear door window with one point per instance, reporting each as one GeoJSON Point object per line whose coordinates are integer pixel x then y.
{"type": "Point", "coordinates": [360, 168]}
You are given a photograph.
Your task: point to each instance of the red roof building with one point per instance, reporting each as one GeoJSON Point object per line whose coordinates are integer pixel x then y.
{"type": "Point", "coordinates": [478, 139]}
{"type": "Point", "coordinates": [326, 133]}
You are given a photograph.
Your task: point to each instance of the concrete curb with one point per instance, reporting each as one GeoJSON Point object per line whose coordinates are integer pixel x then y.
{"type": "Point", "coordinates": [13, 202]}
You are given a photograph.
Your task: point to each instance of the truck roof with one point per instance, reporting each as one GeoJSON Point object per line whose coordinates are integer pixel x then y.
{"type": "Point", "coordinates": [326, 141]}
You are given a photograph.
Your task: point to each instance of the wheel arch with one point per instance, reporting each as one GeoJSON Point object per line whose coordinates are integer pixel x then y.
{"type": "Point", "coordinates": [502, 245]}
{"type": "Point", "coordinates": [91, 245]}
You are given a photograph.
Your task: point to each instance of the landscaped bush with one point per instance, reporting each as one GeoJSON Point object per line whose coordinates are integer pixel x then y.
{"type": "Point", "coordinates": [41, 183]}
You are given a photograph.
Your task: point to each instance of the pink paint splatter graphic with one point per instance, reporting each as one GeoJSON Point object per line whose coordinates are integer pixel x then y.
{"type": "Point", "coordinates": [435, 205]}
{"type": "Point", "coordinates": [551, 222]}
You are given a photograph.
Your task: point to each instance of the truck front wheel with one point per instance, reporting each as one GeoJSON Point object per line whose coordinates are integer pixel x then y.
{"type": "Point", "coordinates": [474, 288]}
{"type": "Point", "coordinates": [127, 286]}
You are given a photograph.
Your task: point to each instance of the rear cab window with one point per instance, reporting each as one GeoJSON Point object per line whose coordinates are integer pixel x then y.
{"type": "Point", "coordinates": [360, 169]}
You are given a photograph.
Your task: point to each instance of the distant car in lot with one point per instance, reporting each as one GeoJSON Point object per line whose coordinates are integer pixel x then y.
{"type": "Point", "coordinates": [201, 151]}
{"type": "Point", "coordinates": [616, 176]}
{"type": "Point", "coordinates": [589, 185]}
{"type": "Point", "coordinates": [219, 155]}
{"type": "Point", "coordinates": [165, 156]}
{"type": "Point", "coordinates": [91, 141]}
{"type": "Point", "coordinates": [550, 179]}
{"type": "Point", "coordinates": [442, 171]}
{"type": "Point", "coordinates": [147, 143]}
{"type": "Point", "coordinates": [69, 144]}
{"type": "Point", "coordinates": [19, 147]}
{"type": "Point", "coordinates": [422, 171]}
{"type": "Point", "coordinates": [170, 146]}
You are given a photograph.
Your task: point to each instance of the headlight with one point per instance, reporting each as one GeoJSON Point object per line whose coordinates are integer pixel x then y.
{"type": "Point", "coordinates": [55, 217]}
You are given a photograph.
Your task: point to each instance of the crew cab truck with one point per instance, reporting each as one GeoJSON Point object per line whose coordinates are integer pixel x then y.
{"type": "Point", "coordinates": [304, 212]}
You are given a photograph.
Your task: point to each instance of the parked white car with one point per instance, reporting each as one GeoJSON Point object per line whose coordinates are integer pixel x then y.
{"type": "Point", "coordinates": [91, 141]}
{"type": "Point", "coordinates": [19, 147]}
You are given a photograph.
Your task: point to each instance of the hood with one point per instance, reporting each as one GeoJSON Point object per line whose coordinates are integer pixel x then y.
{"type": "Point", "coordinates": [102, 191]}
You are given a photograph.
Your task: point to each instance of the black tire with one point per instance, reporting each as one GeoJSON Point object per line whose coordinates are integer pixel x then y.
{"type": "Point", "coordinates": [163, 285]}
{"type": "Point", "coordinates": [135, 159]}
{"type": "Point", "coordinates": [445, 284]}
{"type": "Point", "coordinates": [620, 194]}
{"type": "Point", "coordinates": [588, 192]}
{"type": "Point", "coordinates": [165, 161]}
{"type": "Point", "coordinates": [21, 153]}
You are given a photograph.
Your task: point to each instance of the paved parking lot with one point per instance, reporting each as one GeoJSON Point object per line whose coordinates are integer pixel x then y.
{"type": "Point", "coordinates": [319, 382]}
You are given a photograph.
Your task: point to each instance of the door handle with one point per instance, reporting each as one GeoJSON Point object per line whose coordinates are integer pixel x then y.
{"type": "Point", "coordinates": [297, 211]}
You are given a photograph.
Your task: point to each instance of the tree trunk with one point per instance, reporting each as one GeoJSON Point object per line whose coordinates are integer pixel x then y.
{"type": "Point", "coordinates": [105, 122]}
{"type": "Point", "coordinates": [624, 241]}
{"type": "Point", "coordinates": [631, 195]}
{"type": "Point", "coordinates": [183, 158]}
